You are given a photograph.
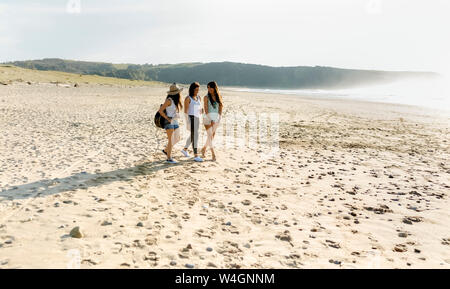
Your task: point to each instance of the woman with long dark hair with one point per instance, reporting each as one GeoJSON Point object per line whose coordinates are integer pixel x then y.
{"type": "Point", "coordinates": [213, 107]}
{"type": "Point", "coordinates": [193, 110]}
{"type": "Point", "coordinates": [172, 106]}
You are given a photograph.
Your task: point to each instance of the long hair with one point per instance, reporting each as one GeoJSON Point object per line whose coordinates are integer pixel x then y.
{"type": "Point", "coordinates": [176, 98]}
{"type": "Point", "coordinates": [218, 101]}
{"type": "Point", "coordinates": [192, 88]}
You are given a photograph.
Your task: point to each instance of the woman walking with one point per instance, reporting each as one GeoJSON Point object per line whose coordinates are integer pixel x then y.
{"type": "Point", "coordinates": [172, 106]}
{"type": "Point", "coordinates": [213, 107]}
{"type": "Point", "coordinates": [193, 110]}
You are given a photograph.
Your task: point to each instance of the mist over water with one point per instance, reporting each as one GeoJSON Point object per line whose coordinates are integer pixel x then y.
{"type": "Point", "coordinates": [431, 93]}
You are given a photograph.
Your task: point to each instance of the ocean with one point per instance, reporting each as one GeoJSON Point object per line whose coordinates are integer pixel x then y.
{"type": "Point", "coordinates": [428, 93]}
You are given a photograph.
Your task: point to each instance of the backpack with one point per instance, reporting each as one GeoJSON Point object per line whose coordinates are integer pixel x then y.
{"type": "Point", "coordinates": [159, 120]}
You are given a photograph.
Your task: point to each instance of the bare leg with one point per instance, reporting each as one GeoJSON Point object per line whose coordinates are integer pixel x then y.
{"type": "Point", "coordinates": [209, 142]}
{"type": "Point", "coordinates": [209, 136]}
{"type": "Point", "coordinates": [169, 143]}
{"type": "Point", "coordinates": [207, 127]}
{"type": "Point", "coordinates": [213, 132]}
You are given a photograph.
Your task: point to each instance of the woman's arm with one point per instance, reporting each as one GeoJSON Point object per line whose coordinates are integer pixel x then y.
{"type": "Point", "coordinates": [220, 109]}
{"type": "Point", "coordinates": [205, 104]}
{"type": "Point", "coordinates": [187, 101]}
{"type": "Point", "coordinates": [201, 108]}
{"type": "Point", "coordinates": [163, 107]}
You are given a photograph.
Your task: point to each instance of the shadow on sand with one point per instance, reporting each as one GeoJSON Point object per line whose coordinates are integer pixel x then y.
{"type": "Point", "coordinates": [82, 180]}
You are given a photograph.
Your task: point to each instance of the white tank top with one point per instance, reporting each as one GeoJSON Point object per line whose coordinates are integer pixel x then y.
{"type": "Point", "coordinates": [171, 109]}
{"type": "Point", "coordinates": [194, 106]}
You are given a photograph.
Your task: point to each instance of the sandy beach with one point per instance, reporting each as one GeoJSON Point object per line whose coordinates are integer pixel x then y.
{"type": "Point", "coordinates": [354, 184]}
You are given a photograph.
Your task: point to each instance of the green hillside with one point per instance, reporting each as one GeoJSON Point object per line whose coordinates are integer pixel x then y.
{"type": "Point", "coordinates": [228, 73]}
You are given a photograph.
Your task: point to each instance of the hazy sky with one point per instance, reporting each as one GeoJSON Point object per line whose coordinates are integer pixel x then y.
{"type": "Point", "coordinates": [380, 34]}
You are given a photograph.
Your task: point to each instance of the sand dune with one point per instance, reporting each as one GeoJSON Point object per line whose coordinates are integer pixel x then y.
{"type": "Point", "coordinates": [354, 185]}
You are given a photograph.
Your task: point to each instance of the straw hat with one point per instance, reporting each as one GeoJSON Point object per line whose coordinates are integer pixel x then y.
{"type": "Point", "coordinates": [174, 89]}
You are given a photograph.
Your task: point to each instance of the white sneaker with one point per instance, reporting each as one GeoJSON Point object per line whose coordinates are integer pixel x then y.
{"type": "Point", "coordinates": [198, 159]}
{"type": "Point", "coordinates": [185, 153]}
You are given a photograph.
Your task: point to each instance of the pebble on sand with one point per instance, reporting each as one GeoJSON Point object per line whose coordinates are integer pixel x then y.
{"type": "Point", "coordinates": [246, 202]}
{"type": "Point", "coordinates": [76, 233]}
{"type": "Point", "coordinates": [4, 262]}
{"type": "Point", "coordinates": [336, 262]}
{"type": "Point", "coordinates": [400, 248]}
{"type": "Point", "coordinates": [285, 236]}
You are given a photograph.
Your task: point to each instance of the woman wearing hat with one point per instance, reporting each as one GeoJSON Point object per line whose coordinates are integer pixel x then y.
{"type": "Point", "coordinates": [172, 106]}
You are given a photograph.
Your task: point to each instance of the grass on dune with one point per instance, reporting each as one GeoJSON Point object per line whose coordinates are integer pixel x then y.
{"type": "Point", "coordinates": [9, 74]}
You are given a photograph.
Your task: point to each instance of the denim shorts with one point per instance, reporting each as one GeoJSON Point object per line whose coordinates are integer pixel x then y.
{"type": "Point", "coordinates": [173, 125]}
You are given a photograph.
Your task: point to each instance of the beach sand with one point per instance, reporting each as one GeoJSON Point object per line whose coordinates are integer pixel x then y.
{"type": "Point", "coordinates": [354, 184]}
